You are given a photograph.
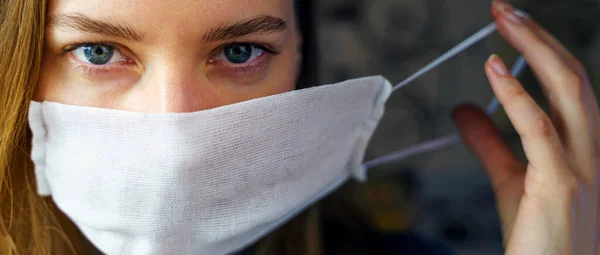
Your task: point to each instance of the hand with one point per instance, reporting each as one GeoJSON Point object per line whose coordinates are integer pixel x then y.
{"type": "Point", "coordinates": [550, 204]}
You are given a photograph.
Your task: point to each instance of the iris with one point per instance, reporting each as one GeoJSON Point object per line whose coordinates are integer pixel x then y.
{"type": "Point", "coordinates": [238, 53]}
{"type": "Point", "coordinates": [98, 54]}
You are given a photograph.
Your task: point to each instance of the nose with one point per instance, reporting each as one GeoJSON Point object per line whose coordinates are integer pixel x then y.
{"type": "Point", "coordinates": [180, 88]}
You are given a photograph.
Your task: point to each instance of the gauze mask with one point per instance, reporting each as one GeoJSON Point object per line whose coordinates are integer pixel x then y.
{"type": "Point", "coordinates": [207, 182]}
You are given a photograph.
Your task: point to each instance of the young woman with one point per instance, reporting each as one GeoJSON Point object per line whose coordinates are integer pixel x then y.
{"type": "Point", "coordinates": [187, 56]}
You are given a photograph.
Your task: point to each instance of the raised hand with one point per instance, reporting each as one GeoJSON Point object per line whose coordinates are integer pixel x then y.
{"type": "Point", "coordinates": [548, 205]}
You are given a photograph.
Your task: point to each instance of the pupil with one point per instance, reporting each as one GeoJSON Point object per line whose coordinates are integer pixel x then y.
{"type": "Point", "coordinates": [98, 54]}
{"type": "Point", "coordinates": [238, 53]}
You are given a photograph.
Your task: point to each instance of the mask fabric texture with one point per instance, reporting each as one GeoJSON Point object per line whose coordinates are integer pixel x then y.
{"type": "Point", "coordinates": [207, 182]}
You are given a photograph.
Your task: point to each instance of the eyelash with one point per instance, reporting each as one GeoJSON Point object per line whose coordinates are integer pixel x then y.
{"type": "Point", "coordinates": [245, 68]}
{"type": "Point", "coordinates": [240, 69]}
{"type": "Point", "coordinates": [97, 70]}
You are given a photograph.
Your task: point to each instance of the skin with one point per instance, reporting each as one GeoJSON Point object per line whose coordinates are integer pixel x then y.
{"type": "Point", "coordinates": [548, 205]}
{"type": "Point", "coordinates": [170, 69]}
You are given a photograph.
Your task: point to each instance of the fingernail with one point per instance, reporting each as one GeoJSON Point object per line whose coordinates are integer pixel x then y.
{"type": "Point", "coordinates": [498, 66]}
{"type": "Point", "coordinates": [507, 11]}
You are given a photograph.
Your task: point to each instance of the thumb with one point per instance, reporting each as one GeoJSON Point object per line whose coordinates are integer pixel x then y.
{"type": "Point", "coordinates": [505, 170]}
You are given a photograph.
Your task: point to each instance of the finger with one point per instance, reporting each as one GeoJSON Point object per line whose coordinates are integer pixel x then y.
{"type": "Point", "coordinates": [544, 60]}
{"type": "Point", "coordinates": [572, 61]}
{"type": "Point", "coordinates": [481, 136]}
{"type": "Point", "coordinates": [568, 58]}
{"type": "Point", "coordinates": [505, 170]}
{"type": "Point", "coordinates": [565, 89]}
{"type": "Point", "coordinates": [554, 43]}
{"type": "Point", "coordinates": [540, 141]}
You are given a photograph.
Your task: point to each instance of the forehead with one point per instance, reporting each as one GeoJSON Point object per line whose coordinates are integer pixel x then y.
{"type": "Point", "coordinates": [156, 18]}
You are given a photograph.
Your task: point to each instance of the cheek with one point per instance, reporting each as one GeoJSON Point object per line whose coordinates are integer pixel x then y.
{"type": "Point", "coordinates": [281, 87]}
{"type": "Point", "coordinates": [282, 78]}
{"type": "Point", "coordinates": [285, 74]}
{"type": "Point", "coordinates": [48, 81]}
{"type": "Point", "coordinates": [59, 83]}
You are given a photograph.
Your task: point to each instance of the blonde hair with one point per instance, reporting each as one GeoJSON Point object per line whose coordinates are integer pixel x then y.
{"type": "Point", "coordinates": [30, 224]}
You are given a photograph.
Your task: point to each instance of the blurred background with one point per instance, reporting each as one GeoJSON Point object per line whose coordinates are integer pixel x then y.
{"type": "Point", "coordinates": [444, 195]}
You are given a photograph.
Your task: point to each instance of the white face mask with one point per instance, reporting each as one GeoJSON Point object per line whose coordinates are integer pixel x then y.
{"type": "Point", "coordinates": [208, 182]}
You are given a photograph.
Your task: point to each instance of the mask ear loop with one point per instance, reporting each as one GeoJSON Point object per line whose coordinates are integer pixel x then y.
{"type": "Point", "coordinates": [475, 38]}
{"type": "Point", "coordinates": [451, 139]}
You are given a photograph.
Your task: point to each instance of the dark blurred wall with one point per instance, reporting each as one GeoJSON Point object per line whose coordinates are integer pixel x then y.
{"type": "Point", "coordinates": [451, 200]}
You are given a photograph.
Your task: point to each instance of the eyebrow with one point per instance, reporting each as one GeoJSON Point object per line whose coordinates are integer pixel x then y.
{"type": "Point", "coordinates": [258, 25]}
{"type": "Point", "coordinates": [264, 24]}
{"type": "Point", "coordinates": [81, 22]}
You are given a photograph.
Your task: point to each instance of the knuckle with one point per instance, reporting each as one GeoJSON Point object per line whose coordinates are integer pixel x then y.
{"type": "Point", "coordinates": [538, 42]}
{"type": "Point", "coordinates": [542, 126]}
{"type": "Point", "coordinates": [514, 92]}
{"type": "Point", "coordinates": [573, 85]}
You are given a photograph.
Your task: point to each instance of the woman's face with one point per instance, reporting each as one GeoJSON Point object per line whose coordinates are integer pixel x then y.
{"type": "Point", "coordinates": [168, 55]}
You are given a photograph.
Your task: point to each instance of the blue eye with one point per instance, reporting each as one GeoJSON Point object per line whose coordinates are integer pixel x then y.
{"type": "Point", "coordinates": [97, 54]}
{"type": "Point", "coordinates": [240, 53]}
